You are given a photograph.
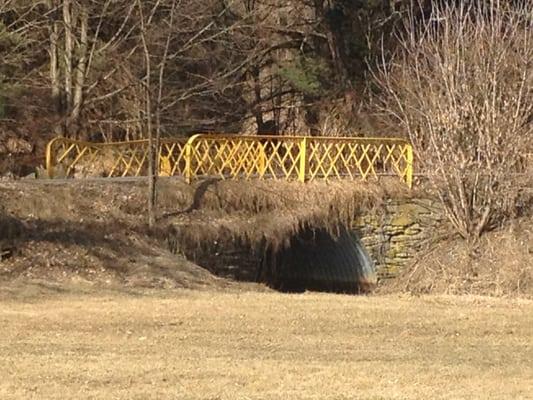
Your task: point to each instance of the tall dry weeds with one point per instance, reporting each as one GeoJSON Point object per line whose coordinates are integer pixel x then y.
{"type": "Point", "coordinates": [460, 85]}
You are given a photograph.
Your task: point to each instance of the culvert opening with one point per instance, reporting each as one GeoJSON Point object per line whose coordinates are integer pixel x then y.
{"type": "Point", "coordinates": [311, 259]}
{"type": "Point", "coordinates": [319, 261]}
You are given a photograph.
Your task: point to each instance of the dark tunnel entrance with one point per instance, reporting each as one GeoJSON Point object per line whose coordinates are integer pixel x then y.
{"type": "Point", "coordinates": [317, 260]}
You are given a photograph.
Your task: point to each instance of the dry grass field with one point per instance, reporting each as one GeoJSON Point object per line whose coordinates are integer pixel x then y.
{"type": "Point", "coordinates": [253, 345]}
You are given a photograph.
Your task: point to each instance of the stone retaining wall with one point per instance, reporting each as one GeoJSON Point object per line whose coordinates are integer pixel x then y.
{"type": "Point", "coordinates": [394, 233]}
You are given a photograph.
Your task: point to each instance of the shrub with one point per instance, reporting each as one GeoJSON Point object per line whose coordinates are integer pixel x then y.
{"type": "Point", "coordinates": [460, 84]}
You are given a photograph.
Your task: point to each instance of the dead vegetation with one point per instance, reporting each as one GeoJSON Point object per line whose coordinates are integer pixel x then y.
{"type": "Point", "coordinates": [500, 264]}
{"type": "Point", "coordinates": [83, 232]}
{"type": "Point", "coordinates": [460, 86]}
{"type": "Point", "coordinates": [257, 211]}
{"type": "Point", "coordinates": [212, 345]}
{"type": "Point", "coordinates": [95, 231]}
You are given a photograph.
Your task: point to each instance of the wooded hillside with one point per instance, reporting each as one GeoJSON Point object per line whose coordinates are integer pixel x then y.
{"type": "Point", "coordinates": [455, 77]}
{"type": "Point", "coordinates": [82, 68]}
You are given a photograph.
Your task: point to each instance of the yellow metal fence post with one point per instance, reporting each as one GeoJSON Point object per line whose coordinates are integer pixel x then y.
{"type": "Point", "coordinates": [409, 173]}
{"type": "Point", "coordinates": [49, 158]}
{"type": "Point", "coordinates": [188, 161]}
{"type": "Point", "coordinates": [189, 152]}
{"type": "Point", "coordinates": [262, 160]}
{"type": "Point", "coordinates": [302, 171]}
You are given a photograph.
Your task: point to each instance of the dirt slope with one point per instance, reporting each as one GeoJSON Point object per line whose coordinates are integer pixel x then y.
{"type": "Point", "coordinates": [94, 232]}
{"type": "Point", "coordinates": [87, 226]}
{"type": "Point", "coordinates": [89, 233]}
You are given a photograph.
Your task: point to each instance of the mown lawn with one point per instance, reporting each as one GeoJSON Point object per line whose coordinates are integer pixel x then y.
{"type": "Point", "coordinates": [248, 345]}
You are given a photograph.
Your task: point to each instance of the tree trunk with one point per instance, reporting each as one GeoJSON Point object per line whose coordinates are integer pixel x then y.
{"type": "Point", "coordinates": [54, 67]}
{"type": "Point", "coordinates": [152, 151]}
{"type": "Point", "coordinates": [55, 83]}
{"type": "Point", "coordinates": [67, 20]}
{"type": "Point", "coordinates": [81, 68]}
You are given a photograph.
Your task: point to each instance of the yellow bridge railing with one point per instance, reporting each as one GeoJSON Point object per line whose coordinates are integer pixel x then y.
{"type": "Point", "coordinates": [302, 158]}
{"type": "Point", "coordinates": [68, 158]}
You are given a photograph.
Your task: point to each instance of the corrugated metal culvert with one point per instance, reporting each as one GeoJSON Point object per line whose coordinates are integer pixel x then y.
{"type": "Point", "coordinates": [316, 260]}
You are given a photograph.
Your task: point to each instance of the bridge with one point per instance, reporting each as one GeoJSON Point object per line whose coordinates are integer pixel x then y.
{"type": "Point", "coordinates": [346, 261]}
{"type": "Point", "coordinates": [299, 158]}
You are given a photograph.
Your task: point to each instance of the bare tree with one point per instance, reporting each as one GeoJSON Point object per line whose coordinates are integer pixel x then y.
{"type": "Point", "coordinates": [461, 86]}
{"type": "Point", "coordinates": [81, 34]}
{"type": "Point", "coordinates": [16, 45]}
{"type": "Point", "coordinates": [180, 44]}
{"type": "Point", "coordinates": [149, 111]}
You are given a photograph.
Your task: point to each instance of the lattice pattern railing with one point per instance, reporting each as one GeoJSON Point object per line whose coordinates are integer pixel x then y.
{"type": "Point", "coordinates": [299, 157]}
{"type": "Point", "coordinates": [65, 157]}
{"type": "Point", "coordinates": [239, 157]}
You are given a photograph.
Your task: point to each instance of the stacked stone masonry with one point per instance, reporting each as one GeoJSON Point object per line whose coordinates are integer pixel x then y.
{"type": "Point", "coordinates": [395, 233]}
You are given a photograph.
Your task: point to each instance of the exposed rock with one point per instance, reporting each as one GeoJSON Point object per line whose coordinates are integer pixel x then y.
{"type": "Point", "coordinates": [394, 235]}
